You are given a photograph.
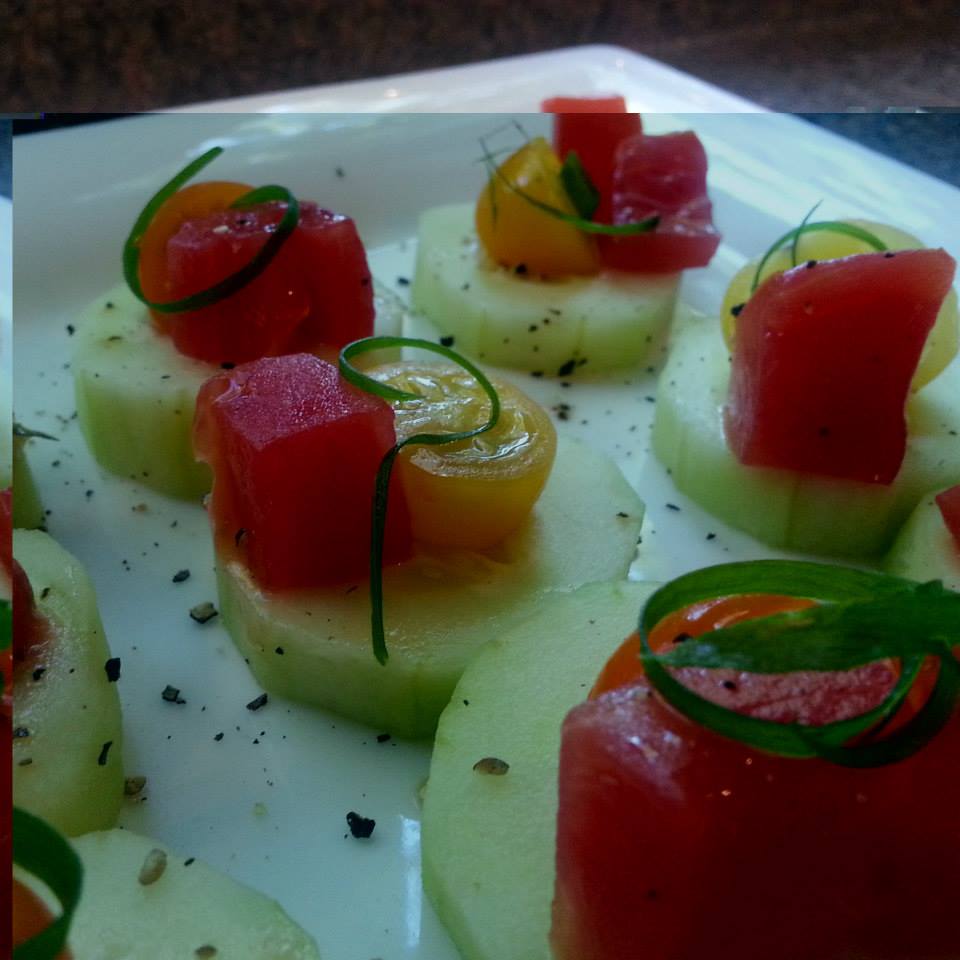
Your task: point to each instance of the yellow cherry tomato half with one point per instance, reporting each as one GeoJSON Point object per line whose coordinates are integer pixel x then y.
{"type": "Point", "coordinates": [469, 493]}
{"type": "Point", "coordinates": [520, 236]}
{"type": "Point", "coordinates": [941, 345]}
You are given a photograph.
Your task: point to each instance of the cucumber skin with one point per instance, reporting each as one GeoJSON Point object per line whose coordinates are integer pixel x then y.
{"type": "Point", "coordinates": [488, 842]}
{"type": "Point", "coordinates": [612, 320]}
{"type": "Point", "coordinates": [135, 397]}
{"type": "Point", "coordinates": [925, 549]}
{"type": "Point", "coordinates": [327, 659]}
{"type": "Point", "coordinates": [782, 508]}
{"type": "Point", "coordinates": [187, 907]}
{"type": "Point", "coordinates": [72, 710]}
{"type": "Point", "coordinates": [27, 507]}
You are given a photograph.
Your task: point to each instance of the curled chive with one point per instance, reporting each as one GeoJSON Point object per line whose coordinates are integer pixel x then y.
{"type": "Point", "coordinates": [235, 281]}
{"type": "Point", "coordinates": [795, 242]}
{"type": "Point", "coordinates": [40, 850]}
{"type": "Point", "coordinates": [382, 487]}
{"type": "Point", "coordinates": [863, 618]}
{"type": "Point", "coordinates": [832, 226]}
{"type": "Point", "coordinates": [581, 223]}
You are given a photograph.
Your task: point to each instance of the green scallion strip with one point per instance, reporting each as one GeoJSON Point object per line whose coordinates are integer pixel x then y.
{"type": "Point", "coordinates": [19, 430]}
{"type": "Point", "coordinates": [587, 226]}
{"type": "Point", "coordinates": [795, 242]}
{"type": "Point", "coordinates": [381, 490]}
{"type": "Point", "coordinates": [584, 196]}
{"type": "Point", "coordinates": [6, 629]}
{"type": "Point", "coordinates": [833, 226]}
{"type": "Point", "coordinates": [40, 850]}
{"type": "Point", "coordinates": [237, 280]}
{"type": "Point", "coordinates": [863, 618]}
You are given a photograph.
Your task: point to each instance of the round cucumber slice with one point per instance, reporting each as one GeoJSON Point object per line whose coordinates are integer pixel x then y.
{"type": "Point", "coordinates": [67, 765]}
{"type": "Point", "coordinates": [488, 841]}
{"type": "Point", "coordinates": [136, 393]}
{"type": "Point", "coordinates": [611, 320]}
{"type": "Point", "coordinates": [783, 508]}
{"type": "Point", "coordinates": [925, 548]}
{"type": "Point", "coordinates": [188, 910]}
{"type": "Point", "coordinates": [440, 607]}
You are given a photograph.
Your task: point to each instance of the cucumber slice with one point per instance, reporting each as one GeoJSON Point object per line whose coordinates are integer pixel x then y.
{"type": "Point", "coordinates": [27, 507]}
{"type": "Point", "coordinates": [136, 393]}
{"type": "Point", "coordinates": [782, 508]}
{"type": "Point", "coordinates": [925, 548]}
{"type": "Point", "coordinates": [612, 320]}
{"type": "Point", "coordinates": [185, 909]}
{"type": "Point", "coordinates": [440, 607]}
{"type": "Point", "coordinates": [70, 711]}
{"type": "Point", "coordinates": [488, 841]}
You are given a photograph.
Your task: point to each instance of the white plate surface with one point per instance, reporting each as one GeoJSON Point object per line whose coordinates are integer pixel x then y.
{"type": "Point", "coordinates": [267, 803]}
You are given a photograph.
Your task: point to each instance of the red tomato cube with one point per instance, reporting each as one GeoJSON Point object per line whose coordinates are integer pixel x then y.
{"type": "Point", "coordinates": [949, 504]}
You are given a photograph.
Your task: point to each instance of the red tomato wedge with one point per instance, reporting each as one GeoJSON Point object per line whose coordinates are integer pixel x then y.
{"type": "Point", "coordinates": [949, 504]}
{"type": "Point", "coordinates": [594, 127]}
{"type": "Point", "coordinates": [294, 451]}
{"type": "Point", "coordinates": [675, 842]}
{"type": "Point", "coordinates": [664, 175]}
{"type": "Point", "coordinates": [316, 293]}
{"type": "Point", "coordinates": [823, 361]}
{"type": "Point", "coordinates": [30, 916]}
{"type": "Point", "coordinates": [28, 627]}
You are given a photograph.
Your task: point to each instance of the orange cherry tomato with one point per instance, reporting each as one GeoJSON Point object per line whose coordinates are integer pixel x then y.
{"type": "Point", "coordinates": [30, 916]}
{"type": "Point", "coordinates": [191, 203]}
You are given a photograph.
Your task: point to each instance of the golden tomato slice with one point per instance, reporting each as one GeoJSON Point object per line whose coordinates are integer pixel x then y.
{"type": "Point", "coordinates": [942, 343]}
{"type": "Point", "coordinates": [520, 236]}
{"type": "Point", "coordinates": [469, 493]}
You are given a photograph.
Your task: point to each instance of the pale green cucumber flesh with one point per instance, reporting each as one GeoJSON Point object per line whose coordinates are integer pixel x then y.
{"type": "Point", "coordinates": [488, 841]}
{"type": "Point", "coordinates": [925, 549]}
{"type": "Point", "coordinates": [27, 507]}
{"type": "Point", "coordinates": [611, 320]}
{"type": "Point", "coordinates": [440, 606]}
{"type": "Point", "coordinates": [64, 705]}
{"type": "Point", "coordinates": [136, 394]}
{"type": "Point", "coordinates": [188, 906]}
{"type": "Point", "coordinates": [784, 508]}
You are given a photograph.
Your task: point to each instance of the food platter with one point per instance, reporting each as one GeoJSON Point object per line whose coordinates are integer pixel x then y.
{"type": "Point", "coordinates": [267, 802]}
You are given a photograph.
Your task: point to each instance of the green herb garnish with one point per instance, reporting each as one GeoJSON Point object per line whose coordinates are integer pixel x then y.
{"type": "Point", "coordinates": [19, 430]}
{"type": "Point", "coordinates": [580, 222]}
{"type": "Point", "coordinates": [40, 850]}
{"type": "Point", "coordinates": [862, 618]}
{"type": "Point", "coordinates": [381, 490]}
{"type": "Point", "coordinates": [792, 236]}
{"type": "Point", "coordinates": [584, 196]}
{"type": "Point", "coordinates": [236, 281]}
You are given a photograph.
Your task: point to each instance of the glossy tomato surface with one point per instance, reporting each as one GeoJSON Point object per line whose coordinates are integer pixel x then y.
{"type": "Point", "coordinates": [676, 844]}
{"type": "Point", "coordinates": [593, 127]}
{"type": "Point", "coordinates": [664, 176]}
{"type": "Point", "coordinates": [823, 360]}
{"type": "Point", "coordinates": [949, 504]}
{"type": "Point", "coordinates": [28, 628]}
{"type": "Point", "coordinates": [294, 451]}
{"type": "Point", "coordinates": [317, 292]}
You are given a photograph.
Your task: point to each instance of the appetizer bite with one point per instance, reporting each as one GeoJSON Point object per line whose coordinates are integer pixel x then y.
{"type": "Point", "coordinates": [705, 782]}
{"type": "Point", "coordinates": [477, 532]}
{"type": "Point", "coordinates": [572, 253]}
{"type": "Point", "coordinates": [67, 739]}
{"type": "Point", "coordinates": [838, 409]}
{"type": "Point", "coordinates": [217, 274]}
{"type": "Point", "coordinates": [928, 546]}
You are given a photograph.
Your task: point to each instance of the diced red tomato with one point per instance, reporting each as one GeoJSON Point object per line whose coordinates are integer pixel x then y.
{"type": "Point", "coordinates": [594, 127]}
{"type": "Point", "coordinates": [949, 504]}
{"type": "Point", "coordinates": [28, 627]}
{"type": "Point", "coordinates": [664, 175]}
{"type": "Point", "coordinates": [823, 361]}
{"type": "Point", "coordinates": [30, 916]}
{"type": "Point", "coordinates": [675, 842]}
{"type": "Point", "coordinates": [294, 451]}
{"type": "Point", "coordinates": [316, 293]}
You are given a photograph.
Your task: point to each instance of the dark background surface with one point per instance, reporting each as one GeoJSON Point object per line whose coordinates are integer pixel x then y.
{"type": "Point", "coordinates": [816, 55]}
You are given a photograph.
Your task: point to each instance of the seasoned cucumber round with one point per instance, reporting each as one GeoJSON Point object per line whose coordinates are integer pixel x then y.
{"type": "Point", "coordinates": [185, 909]}
{"type": "Point", "coordinates": [440, 606]}
{"type": "Point", "coordinates": [925, 548]}
{"type": "Point", "coordinates": [67, 750]}
{"type": "Point", "coordinates": [136, 393]}
{"type": "Point", "coordinates": [488, 840]}
{"type": "Point", "coordinates": [27, 508]}
{"type": "Point", "coordinates": [784, 508]}
{"type": "Point", "coordinates": [496, 315]}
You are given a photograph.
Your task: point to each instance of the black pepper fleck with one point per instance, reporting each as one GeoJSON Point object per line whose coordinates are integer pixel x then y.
{"type": "Point", "coordinates": [104, 750]}
{"type": "Point", "coordinates": [566, 369]}
{"type": "Point", "coordinates": [493, 766]}
{"type": "Point", "coordinates": [172, 694]}
{"type": "Point", "coordinates": [203, 612]}
{"type": "Point", "coordinates": [361, 828]}
{"type": "Point", "coordinates": [736, 308]}
{"type": "Point", "coordinates": [403, 281]}
{"type": "Point", "coordinates": [181, 575]}
{"type": "Point", "coordinates": [446, 341]}
{"type": "Point", "coordinates": [257, 702]}
{"type": "Point", "coordinates": [20, 732]}
{"type": "Point", "coordinates": [112, 668]}
{"type": "Point", "coordinates": [383, 737]}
